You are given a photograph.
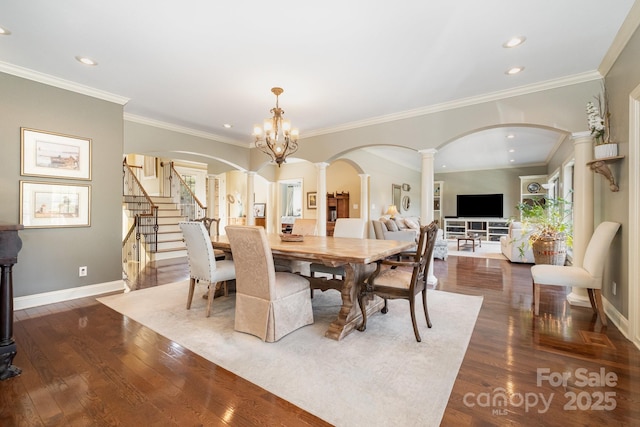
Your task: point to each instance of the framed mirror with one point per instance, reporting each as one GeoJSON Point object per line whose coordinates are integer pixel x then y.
{"type": "Point", "coordinates": [396, 194]}
{"type": "Point", "coordinates": [406, 203]}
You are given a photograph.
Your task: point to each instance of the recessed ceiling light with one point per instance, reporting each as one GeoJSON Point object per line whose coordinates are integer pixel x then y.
{"type": "Point", "coordinates": [227, 126]}
{"type": "Point", "coordinates": [514, 70]}
{"type": "Point", "coordinates": [4, 32]}
{"type": "Point", "coordinates": [510, 136]}
{"type": "Point", "coordinates": [514, 41]}
{"type": "Point", "coordinates": [86, 60]}
{"type": "Point", "coordinates": [444, 166]}
{"type": "Point", "coordinates": [512, 151]}
{"type": "Point", "coordinates": [512, 160]}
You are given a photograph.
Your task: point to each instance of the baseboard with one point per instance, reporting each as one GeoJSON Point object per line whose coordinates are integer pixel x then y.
{"type": "Point", "coordinates": [621, 322]}
{"type": "Point", "coordinates": [28, 301]}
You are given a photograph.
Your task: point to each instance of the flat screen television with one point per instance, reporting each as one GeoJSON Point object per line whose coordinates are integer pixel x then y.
{"type": "Point", "coordinates": [480, 205]}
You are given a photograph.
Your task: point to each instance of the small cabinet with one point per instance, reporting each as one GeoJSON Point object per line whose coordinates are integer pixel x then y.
{"type": "Point", "coordinates": [337, 207]}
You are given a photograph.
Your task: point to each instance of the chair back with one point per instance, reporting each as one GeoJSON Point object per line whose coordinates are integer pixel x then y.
{"type": "Point", "coordinates": [305, 227]}
{"type": "Point", "coordinates": [349, 227]}
{"type": "Point", "coordinates": [202, 261]}
{"type": "Point", "coordinates": [255, 271]}
{"type": "Point", "coordinates": [598, 247]}
{"type": "Point", "coordinates": [211, 223]}
{"type": "Point", "coordinates": [424, 252]}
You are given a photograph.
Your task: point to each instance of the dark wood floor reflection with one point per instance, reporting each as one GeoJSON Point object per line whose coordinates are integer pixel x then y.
{"type": "Point", "coordinates": [85, 364]}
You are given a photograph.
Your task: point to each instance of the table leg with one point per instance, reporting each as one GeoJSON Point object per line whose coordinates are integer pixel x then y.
{"type": "Point", "coordinates": [350, 316]}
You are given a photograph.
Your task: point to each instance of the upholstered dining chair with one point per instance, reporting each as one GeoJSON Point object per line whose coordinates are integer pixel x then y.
{"type": "Point", "coordinates": [202, 262]}
{"type": "Point", "coordinates": [213, 225]}
{"type": "Point", "coordinates": [589, 276]}
{"type": "Point", "coordinates": [269, 304]}
{"type": "Point", "coordinates": [345, 227]}
{"type": "Point", "coordinates": [405, 281]}
{"type": "Point", "coordinates": [303, 227]}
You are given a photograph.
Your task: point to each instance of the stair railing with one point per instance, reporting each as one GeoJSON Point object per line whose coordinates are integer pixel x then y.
{"type": "Point", "coordinates": [140, 207]}
{"type": "Point", "coordinates": [134, 255]}
{"type": "Point", "coordinates": [174, 186]}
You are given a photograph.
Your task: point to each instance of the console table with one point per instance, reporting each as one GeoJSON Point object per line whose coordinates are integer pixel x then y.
{"type": "Point", "coordinates": [10, 245]}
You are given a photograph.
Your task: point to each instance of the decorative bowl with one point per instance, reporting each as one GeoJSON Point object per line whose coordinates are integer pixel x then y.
{"type": "Point", "coordinates": [292, 237]}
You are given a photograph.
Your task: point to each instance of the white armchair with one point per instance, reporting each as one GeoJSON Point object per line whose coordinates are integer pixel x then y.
{"type": "Point", "coordinates": [515, 245]}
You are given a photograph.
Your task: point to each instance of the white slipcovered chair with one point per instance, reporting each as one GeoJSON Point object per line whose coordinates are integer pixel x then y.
{"type": "Point", "coordinates": [269, 304]}
{"type": "Point", "coordinates": [589, 276]}
{"type": "Point", "coordinates": [202, 261]}
{"type": "Point", "coordinates": [515, 245]}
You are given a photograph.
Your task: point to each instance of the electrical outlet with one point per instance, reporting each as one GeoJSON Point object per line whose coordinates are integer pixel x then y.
{"type": "Point", "coordinates": [614, 288]}
{"type": "Point", "coordinates": [82, 271]}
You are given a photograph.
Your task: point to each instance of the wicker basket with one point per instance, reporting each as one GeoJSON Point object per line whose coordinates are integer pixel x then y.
{"type": "Point", "coordinates": [547, 250]}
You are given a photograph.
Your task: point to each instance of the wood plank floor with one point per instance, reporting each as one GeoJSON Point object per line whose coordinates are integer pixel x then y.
{"type": "Point", "coordinates": [86, 365]}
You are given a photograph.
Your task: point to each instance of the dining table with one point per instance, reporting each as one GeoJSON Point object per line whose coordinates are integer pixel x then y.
{"type": "Point", "coordinates": [358, 258]}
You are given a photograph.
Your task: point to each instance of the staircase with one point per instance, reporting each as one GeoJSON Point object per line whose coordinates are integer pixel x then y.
{"type": "Point", "coordinates": [170, 241]}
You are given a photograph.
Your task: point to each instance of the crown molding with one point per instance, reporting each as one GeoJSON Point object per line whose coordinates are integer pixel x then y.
{"type": "Point", "coordinates": [628, 27]}
{"type": "Point", "coordinates": [466, 102]}
{"type": "Point", "coordinates": [61, 83]}
{"type": "Point", "coordinates": [183, 129]}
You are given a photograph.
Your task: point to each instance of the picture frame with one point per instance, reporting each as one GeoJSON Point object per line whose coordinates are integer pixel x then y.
{"type": "Point", "coordinates": [312, 200]}
{"type": "Point", "coordinates": [49, 205]}
{"type": "Point", "coordinates": [54, 155]}
{"type": "Point", "coordinates": [259, 210]}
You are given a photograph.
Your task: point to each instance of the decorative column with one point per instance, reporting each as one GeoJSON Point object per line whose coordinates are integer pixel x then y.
{"type": "Point", "coordinates": [271, 212]}
{"type": "Point", "coordinates": [582, 208]}
{"type": "Point", "coordinates": [10, 245]}
{"type": "Point", "coordinates": [426, 200]}
{"type": "Point", "coordinates": [321, 198]}
{"type": "Point", "coordinates": [251, 178]}
{"type": "Point", "coordinates": [364, 198]}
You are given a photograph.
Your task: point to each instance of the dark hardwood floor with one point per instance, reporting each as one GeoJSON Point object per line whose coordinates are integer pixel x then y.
{"type": "Point", "coordinates": [84, 364]}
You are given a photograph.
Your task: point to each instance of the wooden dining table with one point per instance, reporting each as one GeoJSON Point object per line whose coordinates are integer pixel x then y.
{"type": "Point", "coordinates": [358, 258]}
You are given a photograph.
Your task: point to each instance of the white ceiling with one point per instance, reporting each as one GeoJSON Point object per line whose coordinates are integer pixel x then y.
{"type": "Point", "coordinates": [201, 63]}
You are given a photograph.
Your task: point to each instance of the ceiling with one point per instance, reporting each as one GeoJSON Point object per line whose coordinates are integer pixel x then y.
{"type": "Point", "coordinates": [199, 64]}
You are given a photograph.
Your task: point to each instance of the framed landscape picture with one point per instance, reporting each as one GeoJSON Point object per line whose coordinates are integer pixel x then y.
{"type": "Point", "coordinates": [312, 200]}
{"type": "Point", "coordinates": [54, 155]}
{"type": "Point", "coordinates": [47, 205]}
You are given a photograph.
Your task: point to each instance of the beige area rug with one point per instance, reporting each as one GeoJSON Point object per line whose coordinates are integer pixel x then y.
{"type": "Point", "coordinates": [380, 377]}
{"type": "Point", "coordinates": [490, 250]}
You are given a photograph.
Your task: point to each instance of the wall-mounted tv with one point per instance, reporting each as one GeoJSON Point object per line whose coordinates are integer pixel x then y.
{"type": "Point", "coordinates": [480, 205]}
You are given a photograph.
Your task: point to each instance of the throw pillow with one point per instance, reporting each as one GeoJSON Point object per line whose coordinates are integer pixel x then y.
{"type": "Point", "coordinates": [391, 225]}
{"type": "Point", "coordinates": [411, 223]}
{"type": "Point", "coordinates": [400, 223]}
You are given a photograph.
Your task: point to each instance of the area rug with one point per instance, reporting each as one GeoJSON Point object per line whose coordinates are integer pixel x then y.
{"type": "Point", "coordinates": [380, 377]}
{"type": "Point", "coordinates": [491, 250]}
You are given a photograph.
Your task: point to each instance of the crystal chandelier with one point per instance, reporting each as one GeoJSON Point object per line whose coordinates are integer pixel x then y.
{"type": "Point", "coordinates": [276, 138]}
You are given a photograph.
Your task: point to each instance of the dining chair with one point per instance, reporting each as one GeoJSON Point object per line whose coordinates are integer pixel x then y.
{"type": "Point", "coordinates": [303, 227]}
{"type": "Point", "coordinates": [213, 224]}
{"type": "Point", "coordinates": [345, 227]}
{"type": "Point", "coordinates": [402, 279]}
{"type": "Point", "coordinates": [269, 304]}
{"type": "Point", "coordinates": [588, 277]}
{"type": "Point", "coordinates": [202, 262]}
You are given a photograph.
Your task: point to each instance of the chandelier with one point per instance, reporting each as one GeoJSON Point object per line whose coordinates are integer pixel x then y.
{"type": "Point", "coordinates": [276, 138]}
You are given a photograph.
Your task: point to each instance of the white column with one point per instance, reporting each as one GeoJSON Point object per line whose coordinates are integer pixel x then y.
{"type": "Point", "coordinates": [426, 200]}
{"type": "Point", "coordinates": [271, 212]}
{"type": "Point", "coordinates": [364, 198]}
{"type": "Point", "coordinates": [583, 208]}
{"type": "Point", "coordinates": [321, 198]}
{"type": "Point", "coordinates": [251, 177]}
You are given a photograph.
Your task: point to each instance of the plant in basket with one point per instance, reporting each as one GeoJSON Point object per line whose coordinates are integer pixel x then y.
{"type": "Point", "coordinates": [547, 222]}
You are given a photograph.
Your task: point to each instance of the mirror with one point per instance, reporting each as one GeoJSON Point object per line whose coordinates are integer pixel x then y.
{"type": "Point", "coordinates": [406, 203]}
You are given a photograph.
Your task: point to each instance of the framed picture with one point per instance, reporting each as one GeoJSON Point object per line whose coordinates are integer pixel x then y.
{"type": "Point", "coordinates": [312, 200]}
{"type": "Point", "coordinates": [259, 209]}
{"type": "Point", "coordinates": [46, 205]}
{"type": "Point", "coordinates": [54, 155]}
{"type": "Point", "coordinates": [396, 195]}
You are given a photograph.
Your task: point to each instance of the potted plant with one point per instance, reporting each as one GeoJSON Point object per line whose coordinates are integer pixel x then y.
{"type": "Point", "coordinates": [547, 223]}
{"type": "Point", "coordinates": [599, 120]}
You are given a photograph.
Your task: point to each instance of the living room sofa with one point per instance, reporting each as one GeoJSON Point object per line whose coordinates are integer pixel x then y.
{"type": "Point", "coordinates": [407, 229]}
{"type": "Point", "coordinates": [516, 239]}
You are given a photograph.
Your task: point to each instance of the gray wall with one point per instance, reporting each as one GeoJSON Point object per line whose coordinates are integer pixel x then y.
{"type": "Point", "coordinates": [504, 181]}
{"type": "Point", "coordinates": [623, 78]}
{"type": "Point", "coordinates": [50, 257]}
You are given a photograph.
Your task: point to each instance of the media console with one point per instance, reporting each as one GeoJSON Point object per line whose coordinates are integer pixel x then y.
{"type": "Point", "coordinates": [487, 229]}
